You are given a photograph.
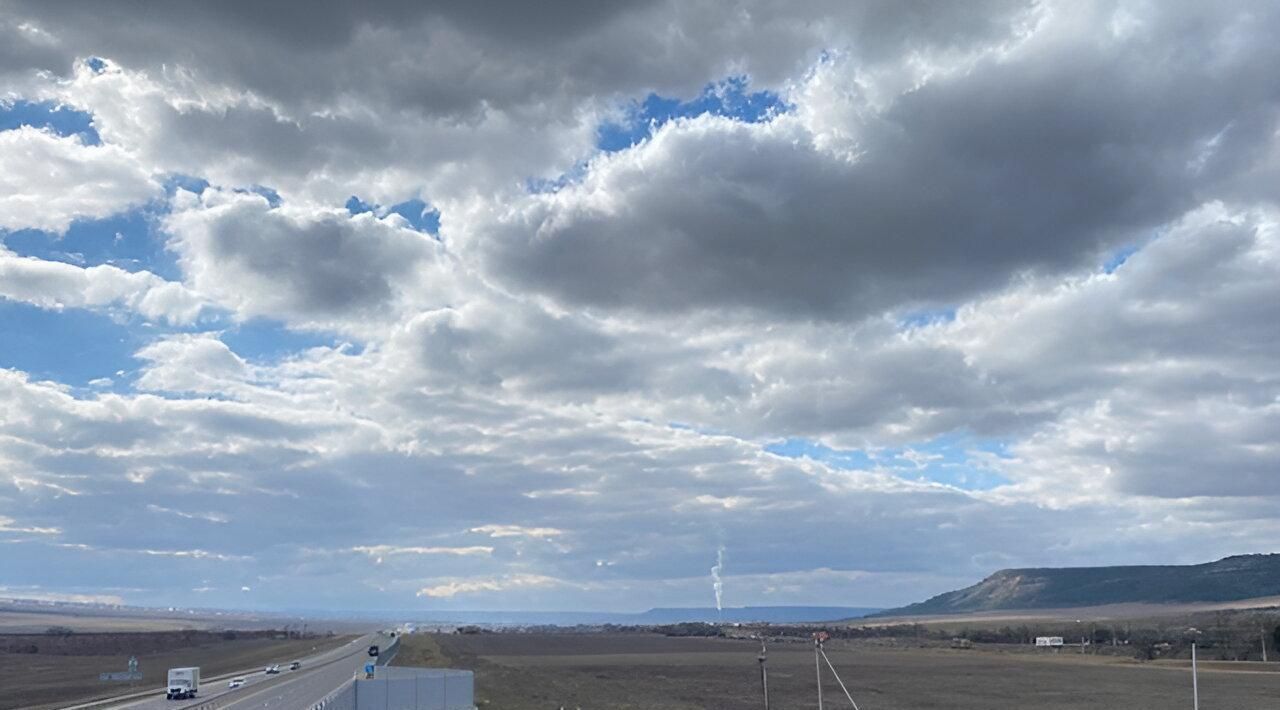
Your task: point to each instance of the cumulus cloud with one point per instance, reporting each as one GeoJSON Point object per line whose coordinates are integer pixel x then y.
{"type": "Point", "coordinates": [57, 285]}
{"type": "Point", "coordinates": [296, 264]}
{"type": "Point", "coordinates": [47, 181]}
{"type": "Point", "coordinates": [234, 104]}
{"type": "Point", "coordinates": [851, 205]}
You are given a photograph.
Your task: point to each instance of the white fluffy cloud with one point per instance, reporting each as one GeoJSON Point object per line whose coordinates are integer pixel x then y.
{"type": "Point", "coordinates": [48, 181]}
{"type": "Point", "coordinates": [53, 284]}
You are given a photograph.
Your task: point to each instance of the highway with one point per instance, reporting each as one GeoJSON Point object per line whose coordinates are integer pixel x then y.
{"type": "Point", "coordinates": [320, 675]}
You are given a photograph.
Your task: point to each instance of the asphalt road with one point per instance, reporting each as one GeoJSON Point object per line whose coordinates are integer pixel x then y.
{"type": "Point", "coordinates": [290, 690]}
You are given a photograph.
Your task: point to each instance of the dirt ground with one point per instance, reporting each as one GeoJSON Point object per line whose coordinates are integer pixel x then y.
{"type": "Point", "coordinates": [31, 680]}
{"type": "Point", "coordinates": [633, 671]}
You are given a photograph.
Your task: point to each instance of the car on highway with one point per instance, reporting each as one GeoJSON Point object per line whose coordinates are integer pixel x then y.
{"type": "Point", "coordinates": [295, 665]}
{"type": "Point", "coordinates": [373, 650]}
{"type": "Point", "coordinates": [272, 670]}
{"type": "Point", "coordinates": [235, 682]}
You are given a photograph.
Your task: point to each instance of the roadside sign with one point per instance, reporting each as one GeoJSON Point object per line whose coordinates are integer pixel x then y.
{"type": "Point", "coordinates": [121, 675]}
{"type": "Point", "coordinates": [131, 674]}
{"type": "Point", "coordinates": [368, 670]}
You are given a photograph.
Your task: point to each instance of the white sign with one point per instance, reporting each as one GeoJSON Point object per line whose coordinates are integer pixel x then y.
{"type": "Point", "coordinates": [1048, 640]}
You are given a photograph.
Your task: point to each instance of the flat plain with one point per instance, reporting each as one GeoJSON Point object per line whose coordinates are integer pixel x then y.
{"type": "Point", "coordinates": [634, 670]}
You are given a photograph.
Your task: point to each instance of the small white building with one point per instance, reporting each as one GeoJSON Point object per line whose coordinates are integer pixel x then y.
{"type": "Point", "coordinates": [1051, 641]}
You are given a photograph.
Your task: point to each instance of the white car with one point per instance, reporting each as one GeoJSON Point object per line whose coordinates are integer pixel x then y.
{"type": "Point", "coordinates": [235, 683]}
{"type": "Point", "coordinates": [272, 670]}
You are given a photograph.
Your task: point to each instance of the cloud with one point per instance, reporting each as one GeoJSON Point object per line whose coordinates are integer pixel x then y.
{"type": "Point", "coordinates": [856, 203]}
{"type": "Point", "coordinates": [9, 525]}
{"type": "Point", "coordinates": [456, 587]}
{"type": "Point", "coordinates": [57, 285]}
{"type": "Point", "coordinates": [995, 287]}
{"type": "Point", "coordinates": [295, 264]}
{"type": "Point", "coordinates": [233, 102]}
{"type": "Point", "coordinates": [47, 181]}
{"type": "Point", "coordinates": [380, 550]}
{"type": "Point", "coordinates": [191, 363]}
{"type": "Point", "coordinates": [516, 531]}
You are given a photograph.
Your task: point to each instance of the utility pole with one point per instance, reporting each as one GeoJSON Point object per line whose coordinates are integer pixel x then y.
{"type": "Point", "coordinates": [1195, 681]}
{"type": "Point", "coordinates": [817, 662]}
{"type": "Point", "coordinates": [1263, 634]}
{"type": "Point", "coordinates": [764, 675]}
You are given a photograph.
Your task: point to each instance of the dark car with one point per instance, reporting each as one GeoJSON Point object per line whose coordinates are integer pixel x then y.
{"type": "Point", "coordinates": [373, 650]}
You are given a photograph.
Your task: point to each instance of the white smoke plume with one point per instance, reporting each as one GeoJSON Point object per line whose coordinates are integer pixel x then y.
{"type": "Point", "coordinates": [716, 582]}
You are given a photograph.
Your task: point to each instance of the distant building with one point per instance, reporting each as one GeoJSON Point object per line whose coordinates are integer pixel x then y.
{"type": "Point", "coordinates": [1049, 641]}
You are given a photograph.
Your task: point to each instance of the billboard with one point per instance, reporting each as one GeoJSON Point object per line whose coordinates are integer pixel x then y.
{"type": "Point", "coordinates": [1048, 640]}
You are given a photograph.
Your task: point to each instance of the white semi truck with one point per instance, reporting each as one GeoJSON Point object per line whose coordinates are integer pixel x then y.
{"type": "Point", "coordinates": [184, 683]}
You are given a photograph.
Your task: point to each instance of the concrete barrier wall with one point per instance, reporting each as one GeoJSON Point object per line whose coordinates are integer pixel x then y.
{"type": "Point", "coordinates": [343, 698]}
{"type": "Point", "coordinates": [416, 689]}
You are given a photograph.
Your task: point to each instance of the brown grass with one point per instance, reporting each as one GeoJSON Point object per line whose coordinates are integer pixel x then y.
{"type": "Point", "coordinates": [632, 671]}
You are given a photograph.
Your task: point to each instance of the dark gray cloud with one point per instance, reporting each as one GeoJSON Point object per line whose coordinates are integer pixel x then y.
{"type": "Point", "coordinates": [1036, 160]}
{"type": "Point", "coordinates": [459, 97]}
{"type": "Point", "coordinates": [260, 260]}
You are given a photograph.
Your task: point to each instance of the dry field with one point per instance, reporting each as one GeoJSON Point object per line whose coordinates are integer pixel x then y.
{"type": "Point", "coordinates": [66, 668]}
{"type": "Point", "coordinates": [633, 671]}
{"type": "Point", "coordinates": [34, 623]}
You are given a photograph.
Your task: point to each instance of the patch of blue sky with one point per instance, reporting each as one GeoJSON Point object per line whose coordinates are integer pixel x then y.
{"type": "Point", "coordinates": [537, 186]}
{"type": "Point", "coordinates": [130, 240]}
{"type": "Point", "coordinates": [49, 115]}
{"type": "Point", "coordinates": [731, 98]}
{"type": "Point", "coordinates": [76, 347]}
{"type": "Point", "coordinates": [420, 215]}
{"type": "Point", "coordinates": [796, 448]}
{"type": "Point", "coordinates": [272, 197]}
{"type": "Point", "coordinates": [266, 341]}
{"type": "Point", "coordinates": [956, 460]}
{"type": "Point", "coordinates": [177, 181]}
{"type": "Point", "coordinates": [1118, 258]}
{"type": "Point", "coordinates": [927, 317]}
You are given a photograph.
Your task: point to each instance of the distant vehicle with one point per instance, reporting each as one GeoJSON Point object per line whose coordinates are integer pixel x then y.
{"type": "Point", "coordinates": [235, 683]}
{"type": "Point", "coordinates": [373, 650]}
{"type": "Point", "coordinates": [183, 683]}
{"type": "Point", "coordinates": [272, 670]}
{"type": "Point", "coordinates": [295, 665]}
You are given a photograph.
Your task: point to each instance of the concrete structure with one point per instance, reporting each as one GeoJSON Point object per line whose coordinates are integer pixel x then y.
{"type": "Point", "coordinates": [397, 688]}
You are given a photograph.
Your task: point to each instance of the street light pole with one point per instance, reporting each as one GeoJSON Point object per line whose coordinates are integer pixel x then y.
{"type": "Point", "coordinates": [1195, 681]}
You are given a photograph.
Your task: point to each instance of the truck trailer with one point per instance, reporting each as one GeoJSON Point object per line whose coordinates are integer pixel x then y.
{"type": "Point", "coordinates": [184, 683]}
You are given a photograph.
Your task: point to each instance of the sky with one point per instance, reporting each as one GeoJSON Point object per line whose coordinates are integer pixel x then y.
{"type": "Point", "coordinates": [556, 306]}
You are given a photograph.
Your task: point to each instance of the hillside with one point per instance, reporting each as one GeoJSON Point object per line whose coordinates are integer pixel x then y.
{"type": "Point", "coordinates": [1228, 579]}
